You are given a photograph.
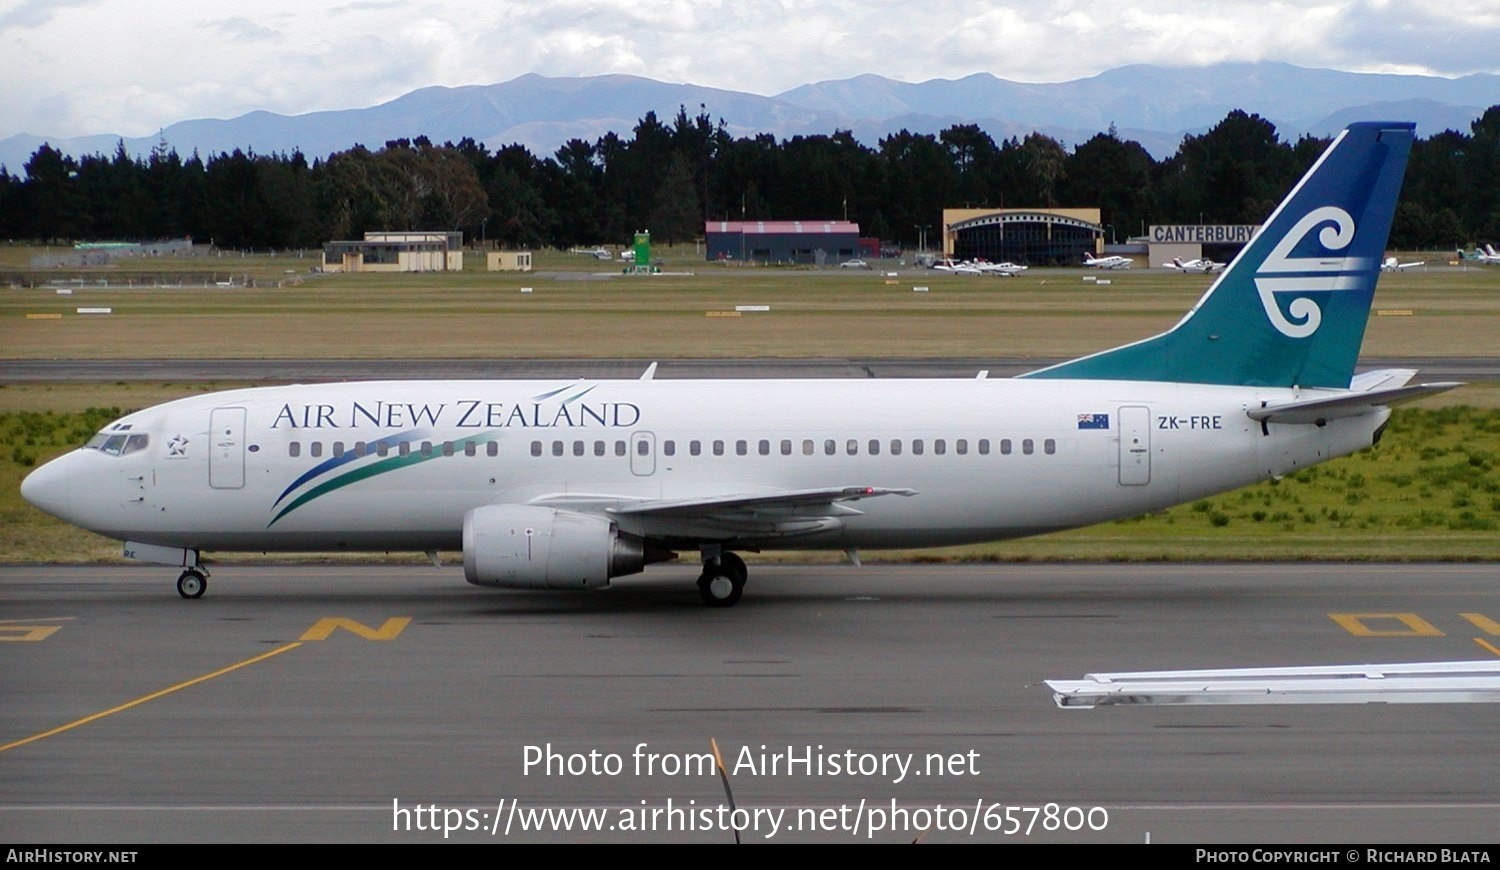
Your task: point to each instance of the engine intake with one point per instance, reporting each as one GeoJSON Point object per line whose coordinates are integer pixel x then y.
{"type": "Point", "coordinates": [529, 547]}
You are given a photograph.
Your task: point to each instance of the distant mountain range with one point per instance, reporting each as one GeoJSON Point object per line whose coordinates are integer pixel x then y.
{"type": "Point", "coordinates": [1153, 105]}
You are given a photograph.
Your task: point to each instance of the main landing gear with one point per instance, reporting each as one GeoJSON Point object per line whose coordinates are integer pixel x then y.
{"type": "Point", "coordinates": [192, 583]}
{"type": "Point", "coordinates": [723, 579]}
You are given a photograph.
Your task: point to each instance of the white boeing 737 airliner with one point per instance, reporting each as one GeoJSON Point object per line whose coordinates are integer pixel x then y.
{"type": "Point", "coordinates": [567, 484]}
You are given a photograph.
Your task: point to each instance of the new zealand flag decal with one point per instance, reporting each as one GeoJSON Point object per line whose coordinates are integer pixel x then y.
{"type": "Point", "coordinates": [1093, 421]}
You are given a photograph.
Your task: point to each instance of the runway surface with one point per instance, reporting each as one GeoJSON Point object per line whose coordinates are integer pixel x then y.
{"type": "Point", "coordinates": [304, 370]}
{"type": "Point", "coordinates": [375, 703]}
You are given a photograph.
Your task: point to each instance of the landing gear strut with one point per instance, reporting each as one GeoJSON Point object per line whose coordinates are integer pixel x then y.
{"type": "Point", "coordinates": [723, 579]}
{"type": "Point", "coordinates": [192, 583]}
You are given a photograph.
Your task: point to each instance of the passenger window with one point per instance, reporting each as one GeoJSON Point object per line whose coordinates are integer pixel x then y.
{"type": "Point", "coordinates": [536, 448]}
{"type": "Point", "coordinates": [1004, 446]}
{"type": "Point", "coordinates": [961, 446]}
{"type": "Point", "coordinates": [557, 448]}
{"type": "Point", "coordinates": [786, 447]}
{"type": "Point", "coordinates": [338, 448]}
{"type": "Point", "coordinates": [294, 448]}
{"type": "Point", "coordinates": [695, 447]}
{"type": "Point", "coordinates": [1026, 446]}
{"type": "Point", "coordinates": [669, 448]}
{"type": "Point", "coordinates": [382, 448]}
{"type": "Point", "coordinates": [447, 448]}
{"type": "Point", "coordinates": [916, 446]}
{"type": "Point", "coordinates": [718, 448]}
{"type": "Point", "coordinates": [492, 448]}
{"type": "Point", "coordinates": [619, 448]}
{"type": "Point", "coordinates": [404, 448]}
{"type": "Point", "coordinates": [579, 448]}
{"type": "Point", "coordinates": [764, 447]}
{"type": "Point", "coordinates": [1049, 446]}
{"type": "Point", "coordinates": [807, 447]}
{"type": "Point", "coordinates": [359, 448]}
{"type": "Point", "coordinates": [830, 447]}
{"type": "Point", "coordinates": [471, 448]}
{"type": "Point", "coordinates": [852, 448]}
{"type": "Point", "coordinates": [874, 447]}
{"type": "Point", "coordinates": [426, 448]}
{"type": "Point", "coordinates": [984, 447]}
{"type": "Point", "coordinates": [599, 448]}
{"type": "Point", "coordinates": [315, 449]}
{"type": "Point", "coordinates": [741, 448]}
{"type": "Point", "coordinates": [940, 447]}
{"type": "Point", "coordinates": [896, 447]}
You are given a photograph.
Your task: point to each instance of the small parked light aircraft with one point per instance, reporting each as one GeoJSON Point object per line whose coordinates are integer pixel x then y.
{"type": "Point", "coordinates": [1006, 269]}
{"type": "Point", "coordinates": [1110, 262]}
{"type": "Point", "coordinates": [1201, 264]}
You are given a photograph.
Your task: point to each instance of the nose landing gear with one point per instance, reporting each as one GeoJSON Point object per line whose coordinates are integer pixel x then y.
{"type": "Point", "coordinates": [192, 583]}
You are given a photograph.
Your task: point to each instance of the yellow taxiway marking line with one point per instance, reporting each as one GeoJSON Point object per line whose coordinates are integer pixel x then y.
{"type": "Point", "coordinates": [1487, 645]}
{"type": "Point", "coordinates": [151, 697]}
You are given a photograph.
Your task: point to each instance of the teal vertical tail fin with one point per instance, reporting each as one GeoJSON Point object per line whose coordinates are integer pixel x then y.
{"type": "Point", "coordinates": [1291, 309]}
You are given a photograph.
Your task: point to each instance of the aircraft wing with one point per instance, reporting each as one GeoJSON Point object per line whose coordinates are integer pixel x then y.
{"type": "Point", "coordinates": [779, 513]}
{"type": "Point", "coordinates": [1345, 405]}
{"type": "Point", "coordinates": [786, 500]}
{"type": "Point", "coordinates": [1414, 683]}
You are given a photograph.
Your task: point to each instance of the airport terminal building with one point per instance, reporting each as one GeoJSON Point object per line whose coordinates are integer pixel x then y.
{"type": "Point", "coordinates": [408, 251]}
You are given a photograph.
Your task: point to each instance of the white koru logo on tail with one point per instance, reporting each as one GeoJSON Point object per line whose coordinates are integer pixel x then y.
{"type": "Point", "coordinates": [1338, 273]}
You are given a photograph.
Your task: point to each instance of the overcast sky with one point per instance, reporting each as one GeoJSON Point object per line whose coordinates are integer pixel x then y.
{"type": "Point", "coordinates": [131, 67]}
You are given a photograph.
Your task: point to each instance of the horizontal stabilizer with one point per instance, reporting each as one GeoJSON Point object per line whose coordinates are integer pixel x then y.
{"type": "Point", "coordinates": [1347, 405]}
{"type": "Point", "coordinates": [1413, 683]}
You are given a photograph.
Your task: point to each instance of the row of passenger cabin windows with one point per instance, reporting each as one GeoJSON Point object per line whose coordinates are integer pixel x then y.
{"type": "Point", "coordinates": [401, 448]}
{"type": "Point", "coordinates": [807, 447]}
{"type": "Point", "coordinates": [740, 447]}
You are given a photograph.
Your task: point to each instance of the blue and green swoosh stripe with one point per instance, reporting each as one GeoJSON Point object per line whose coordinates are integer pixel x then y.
{"type": "Point", "coordinates": [364, 472]}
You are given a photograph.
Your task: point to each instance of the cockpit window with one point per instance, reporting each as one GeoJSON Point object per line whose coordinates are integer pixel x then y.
{"type": "Point", "coordinates": [118, 444]}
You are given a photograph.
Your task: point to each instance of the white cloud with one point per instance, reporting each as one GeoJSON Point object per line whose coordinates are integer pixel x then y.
{"type": "Point", "coordinates": [133, 66]}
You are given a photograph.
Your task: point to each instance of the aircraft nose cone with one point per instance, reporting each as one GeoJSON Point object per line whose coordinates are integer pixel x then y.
{"type": "Point", "coordinates": [47, 488]}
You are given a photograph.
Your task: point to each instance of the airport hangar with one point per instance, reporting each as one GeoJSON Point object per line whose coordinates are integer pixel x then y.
{"type": "Point", "coordinates": [804, 242]}
{"type": "Point", "coordinates": [1061, 236]}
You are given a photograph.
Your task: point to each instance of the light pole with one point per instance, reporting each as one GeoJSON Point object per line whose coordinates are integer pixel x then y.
{"type": "Point", "coordinates": [922, 235]}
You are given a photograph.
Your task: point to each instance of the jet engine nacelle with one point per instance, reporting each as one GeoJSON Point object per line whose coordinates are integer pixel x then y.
{"type": "Point", "coordinates": [528, 547]}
